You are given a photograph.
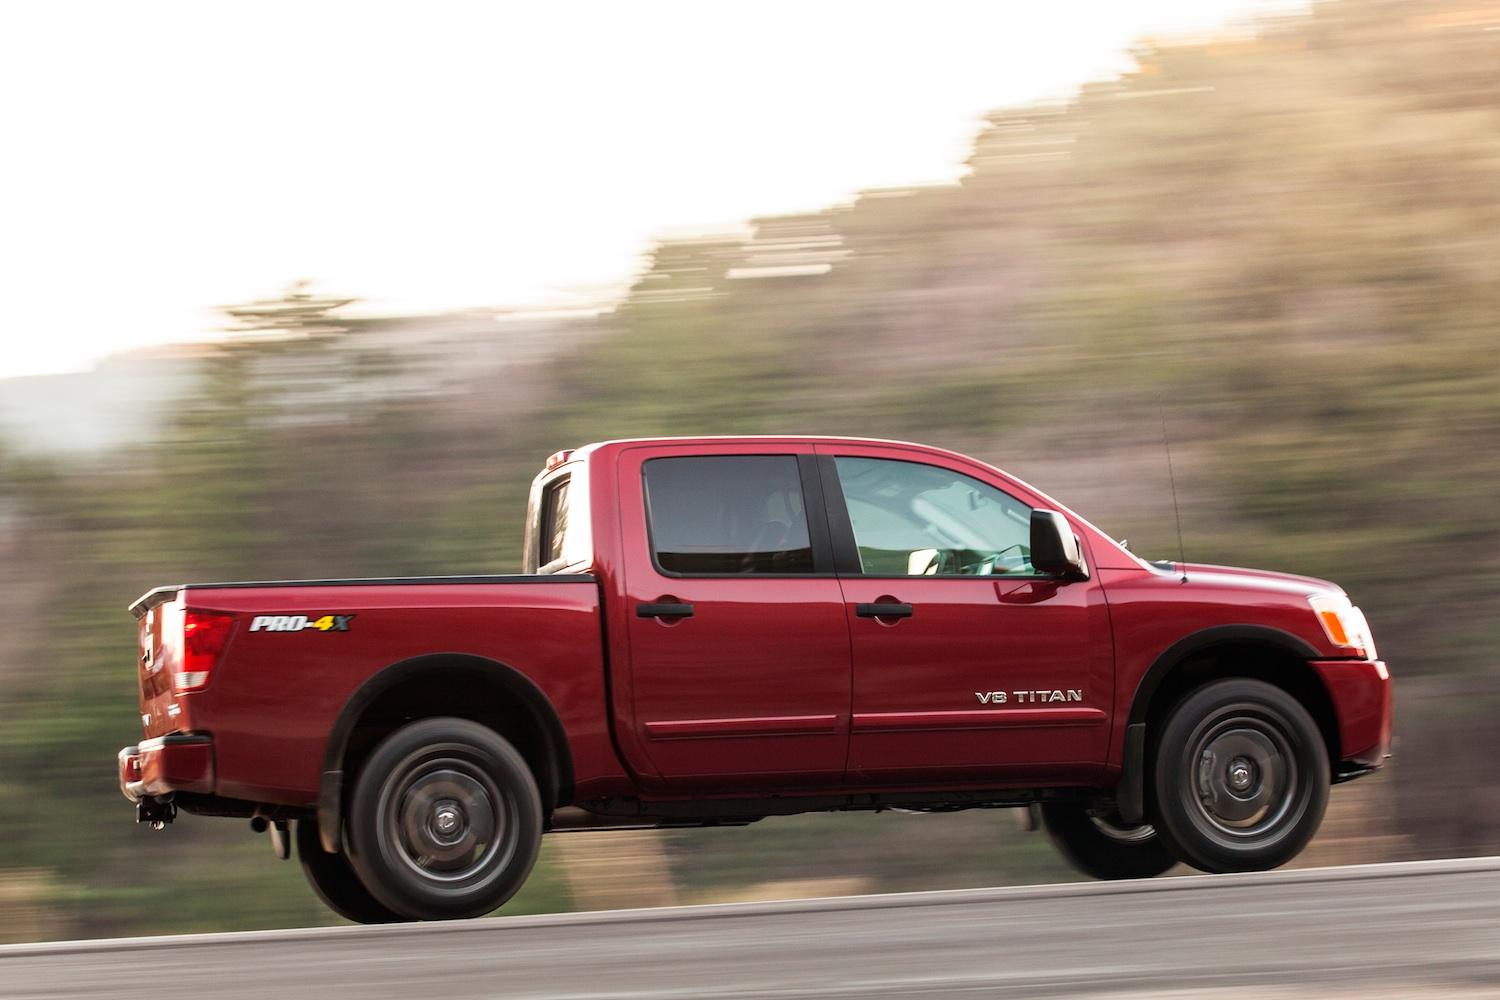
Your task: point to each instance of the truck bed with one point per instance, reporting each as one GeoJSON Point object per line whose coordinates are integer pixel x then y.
{"type": "Point", "coordinates": [275, 699]}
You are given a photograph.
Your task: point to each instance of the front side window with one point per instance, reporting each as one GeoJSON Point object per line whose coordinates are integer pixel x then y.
{"type": "Point", "coordinates": [727, 514]}
{"type": "Point", "coordinates": [911, 519]}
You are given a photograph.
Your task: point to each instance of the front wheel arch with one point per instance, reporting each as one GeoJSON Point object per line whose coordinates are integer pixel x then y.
{"type": "Point", "coordinates": [1222, 652]}
{"type": "Point", "coordinates": [1253, 652]}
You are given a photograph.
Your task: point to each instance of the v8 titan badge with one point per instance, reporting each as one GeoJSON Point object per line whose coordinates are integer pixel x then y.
{"type": "Point", "coordinates": [299, 623]}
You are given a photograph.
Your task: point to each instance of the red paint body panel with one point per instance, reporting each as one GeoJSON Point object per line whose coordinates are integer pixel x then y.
{"type": "Point", "coordinates": [782, 725]}
{"type": "Point", "coordinates": [899, 722]}
{"type": "Point", "coordinates": [756, 649]}
{"type": "Point", "coordinates": [1151, 611]}
{"type": "Point", "coordinates": [967, 636]}
{"type": "Point", "coordinates": [1361, 692]}
{"type": "Point", "coordinates": [774, 685]}
{"type": "Point", "coordinates": [274, 696]}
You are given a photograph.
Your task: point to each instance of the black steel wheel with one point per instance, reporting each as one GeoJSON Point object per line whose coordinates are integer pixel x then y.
{"type": "Point", "coordinates": [334, 880]}
{"type": "Point", "coordinates": [1101, 845]}
{"type": "Point", "coordinates": [1241, 777]}
{"type": "Point", "coordinates": [445, 820]}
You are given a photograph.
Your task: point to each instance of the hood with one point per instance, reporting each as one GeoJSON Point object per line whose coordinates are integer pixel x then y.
{"type": "Point", "coordinates": [1257, 579]}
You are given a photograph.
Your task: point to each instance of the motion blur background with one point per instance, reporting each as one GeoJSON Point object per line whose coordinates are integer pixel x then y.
{"type": "Point", "coordinates": [1281, 232]}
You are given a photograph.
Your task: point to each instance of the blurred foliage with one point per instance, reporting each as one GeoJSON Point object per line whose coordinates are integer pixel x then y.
{"type": "Point", "coordinates": [1287, 243]}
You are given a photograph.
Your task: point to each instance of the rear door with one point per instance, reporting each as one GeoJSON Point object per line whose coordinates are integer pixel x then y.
{"type": "Point", "coordinates": [968, 664]}
{"type": "Point", "coordinates": [739, 651]}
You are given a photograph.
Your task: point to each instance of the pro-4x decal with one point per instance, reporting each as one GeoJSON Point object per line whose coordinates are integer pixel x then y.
{"type": "Point", "coordinates": [298, 623]}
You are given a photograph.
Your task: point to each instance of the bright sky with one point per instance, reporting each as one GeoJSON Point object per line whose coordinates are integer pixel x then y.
{"type": "Point", "coordinates": [164, 158]}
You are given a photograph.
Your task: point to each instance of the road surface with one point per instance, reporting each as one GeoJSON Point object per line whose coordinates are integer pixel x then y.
{"type": "Point", "coordinates": [1423, 928]}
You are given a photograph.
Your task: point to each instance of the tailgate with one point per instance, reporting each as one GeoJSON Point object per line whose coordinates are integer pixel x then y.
{"type": "Point", "coordinates": [157, 642]}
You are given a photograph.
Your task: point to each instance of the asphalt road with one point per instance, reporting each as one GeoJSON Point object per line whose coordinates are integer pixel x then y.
{"type": "Point", "coordinates": [1425, 928]}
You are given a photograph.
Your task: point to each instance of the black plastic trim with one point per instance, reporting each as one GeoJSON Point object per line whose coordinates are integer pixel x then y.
{"type": "Point", "coordinates": [1348, 770]}
{"type": "Point", "coordinates": [174, 740]}
{"type": "Point", "coordinates": [152, 598]}
{"type": "Point", "coordinates": [752, 808]}
{"type": "Point", "coordinates": [1130, 793]}
{"type": "Point", "coordinates": [1216, 635]}
{"type": "Point", "coordinates": [665, 609]}
{"type": "Point", "coordinates": [217, 805]}
{"type": "Point", "coordinates": [840, 528]}
{"type": "Point", "coordinates": [886, 610]}
{"type": "Point", "coordinates": [813, 503]}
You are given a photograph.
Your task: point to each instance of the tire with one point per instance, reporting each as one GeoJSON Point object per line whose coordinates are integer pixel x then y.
{"type": "Point", "coordinates": [334, 881]}
{"type": "Point", "coordinates": [1102, 848]}
{"type": "Point", "coordinates": [1240, 777]}
{"type": "Point", "coordinates": [445, 820]}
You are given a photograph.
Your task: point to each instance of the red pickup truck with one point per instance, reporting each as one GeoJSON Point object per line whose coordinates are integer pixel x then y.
{"type": "Point", "coordinates": [711, 631]}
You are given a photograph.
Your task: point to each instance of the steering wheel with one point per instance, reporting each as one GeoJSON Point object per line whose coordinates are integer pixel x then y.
{"type": "Point", "coordinates": [988, 565]}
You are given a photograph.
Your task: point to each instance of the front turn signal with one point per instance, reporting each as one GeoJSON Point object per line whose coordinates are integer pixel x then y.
{"type": "Point", "coordinates": [1343, 623]}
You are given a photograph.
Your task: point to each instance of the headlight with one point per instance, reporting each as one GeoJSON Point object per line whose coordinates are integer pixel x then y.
{"type": "Point", "coordinates": [1343, 623]}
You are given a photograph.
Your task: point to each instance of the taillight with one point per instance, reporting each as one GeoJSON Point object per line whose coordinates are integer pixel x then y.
{"type": "Point", "coordinates": [204, 634]}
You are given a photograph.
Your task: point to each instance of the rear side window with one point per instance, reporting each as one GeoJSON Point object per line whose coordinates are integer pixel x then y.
{"type": "Point", "coordinates": [554, 527]}
{"type": "Point", "coordinates": [727, 514]}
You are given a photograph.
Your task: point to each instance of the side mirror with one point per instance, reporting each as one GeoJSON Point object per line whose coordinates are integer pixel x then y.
{"type": "Point", "coordinates": [1054, 547]}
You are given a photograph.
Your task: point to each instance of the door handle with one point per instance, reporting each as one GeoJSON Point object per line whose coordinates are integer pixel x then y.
{"type": "Point", "coordinates": [664, 609]}
{"type": "Point", "coordinates": [883, 610]}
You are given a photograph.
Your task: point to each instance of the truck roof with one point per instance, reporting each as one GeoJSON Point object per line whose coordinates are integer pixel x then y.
{"type": "Point", "coordinates": [616, 443]}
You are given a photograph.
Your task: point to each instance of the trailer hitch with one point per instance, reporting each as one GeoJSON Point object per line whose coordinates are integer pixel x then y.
{"type": "Point", "coordinates": [157, 812]}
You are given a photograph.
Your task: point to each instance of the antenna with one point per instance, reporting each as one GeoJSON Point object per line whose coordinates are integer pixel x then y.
{"type": "Point", "coordinates": [1172, 479]}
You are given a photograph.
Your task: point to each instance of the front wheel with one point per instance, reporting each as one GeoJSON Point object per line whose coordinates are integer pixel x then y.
{"type": "Point", "coordinates": [1101, 845]}
{"type": "Point", "coordinates": [1240, 777]}
{"type": "Point", "coordinates": [445, 820]}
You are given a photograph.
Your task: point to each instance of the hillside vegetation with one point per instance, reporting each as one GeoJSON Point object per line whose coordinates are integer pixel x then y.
{"type": "Point", "coordinates": [1285, 246]}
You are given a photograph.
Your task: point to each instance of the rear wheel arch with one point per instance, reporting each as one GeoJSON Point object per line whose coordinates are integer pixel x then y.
{"type": "Point", "coordinates": [1256, 652]}
{"type": "Point", "coordinates": [461, 685]}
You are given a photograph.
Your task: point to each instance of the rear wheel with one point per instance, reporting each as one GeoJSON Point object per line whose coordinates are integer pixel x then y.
{"type": "Point", "coordinates": [333, 879]}
{"type": "Point", "coordinates": [1240, 777]}
{"type": "Point", "coordinates": [445, 820]}
{"type": "Point", "coordinates": [1101, 845]}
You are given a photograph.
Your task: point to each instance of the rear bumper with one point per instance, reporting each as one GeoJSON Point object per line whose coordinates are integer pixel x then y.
{"type": "Point", "coordinates": [1361, 695]}
{"type": "Point", "coordinates": [167, 764]}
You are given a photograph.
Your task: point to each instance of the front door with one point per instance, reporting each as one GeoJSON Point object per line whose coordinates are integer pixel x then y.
{"type": "Point", "coordinates": [739, 654]}
{"type": "Point", "coordinates": [968, 664]}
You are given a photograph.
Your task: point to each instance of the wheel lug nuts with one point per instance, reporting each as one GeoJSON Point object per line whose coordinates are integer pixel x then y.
{"type": "Point", "coordinates": [445, 821]}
